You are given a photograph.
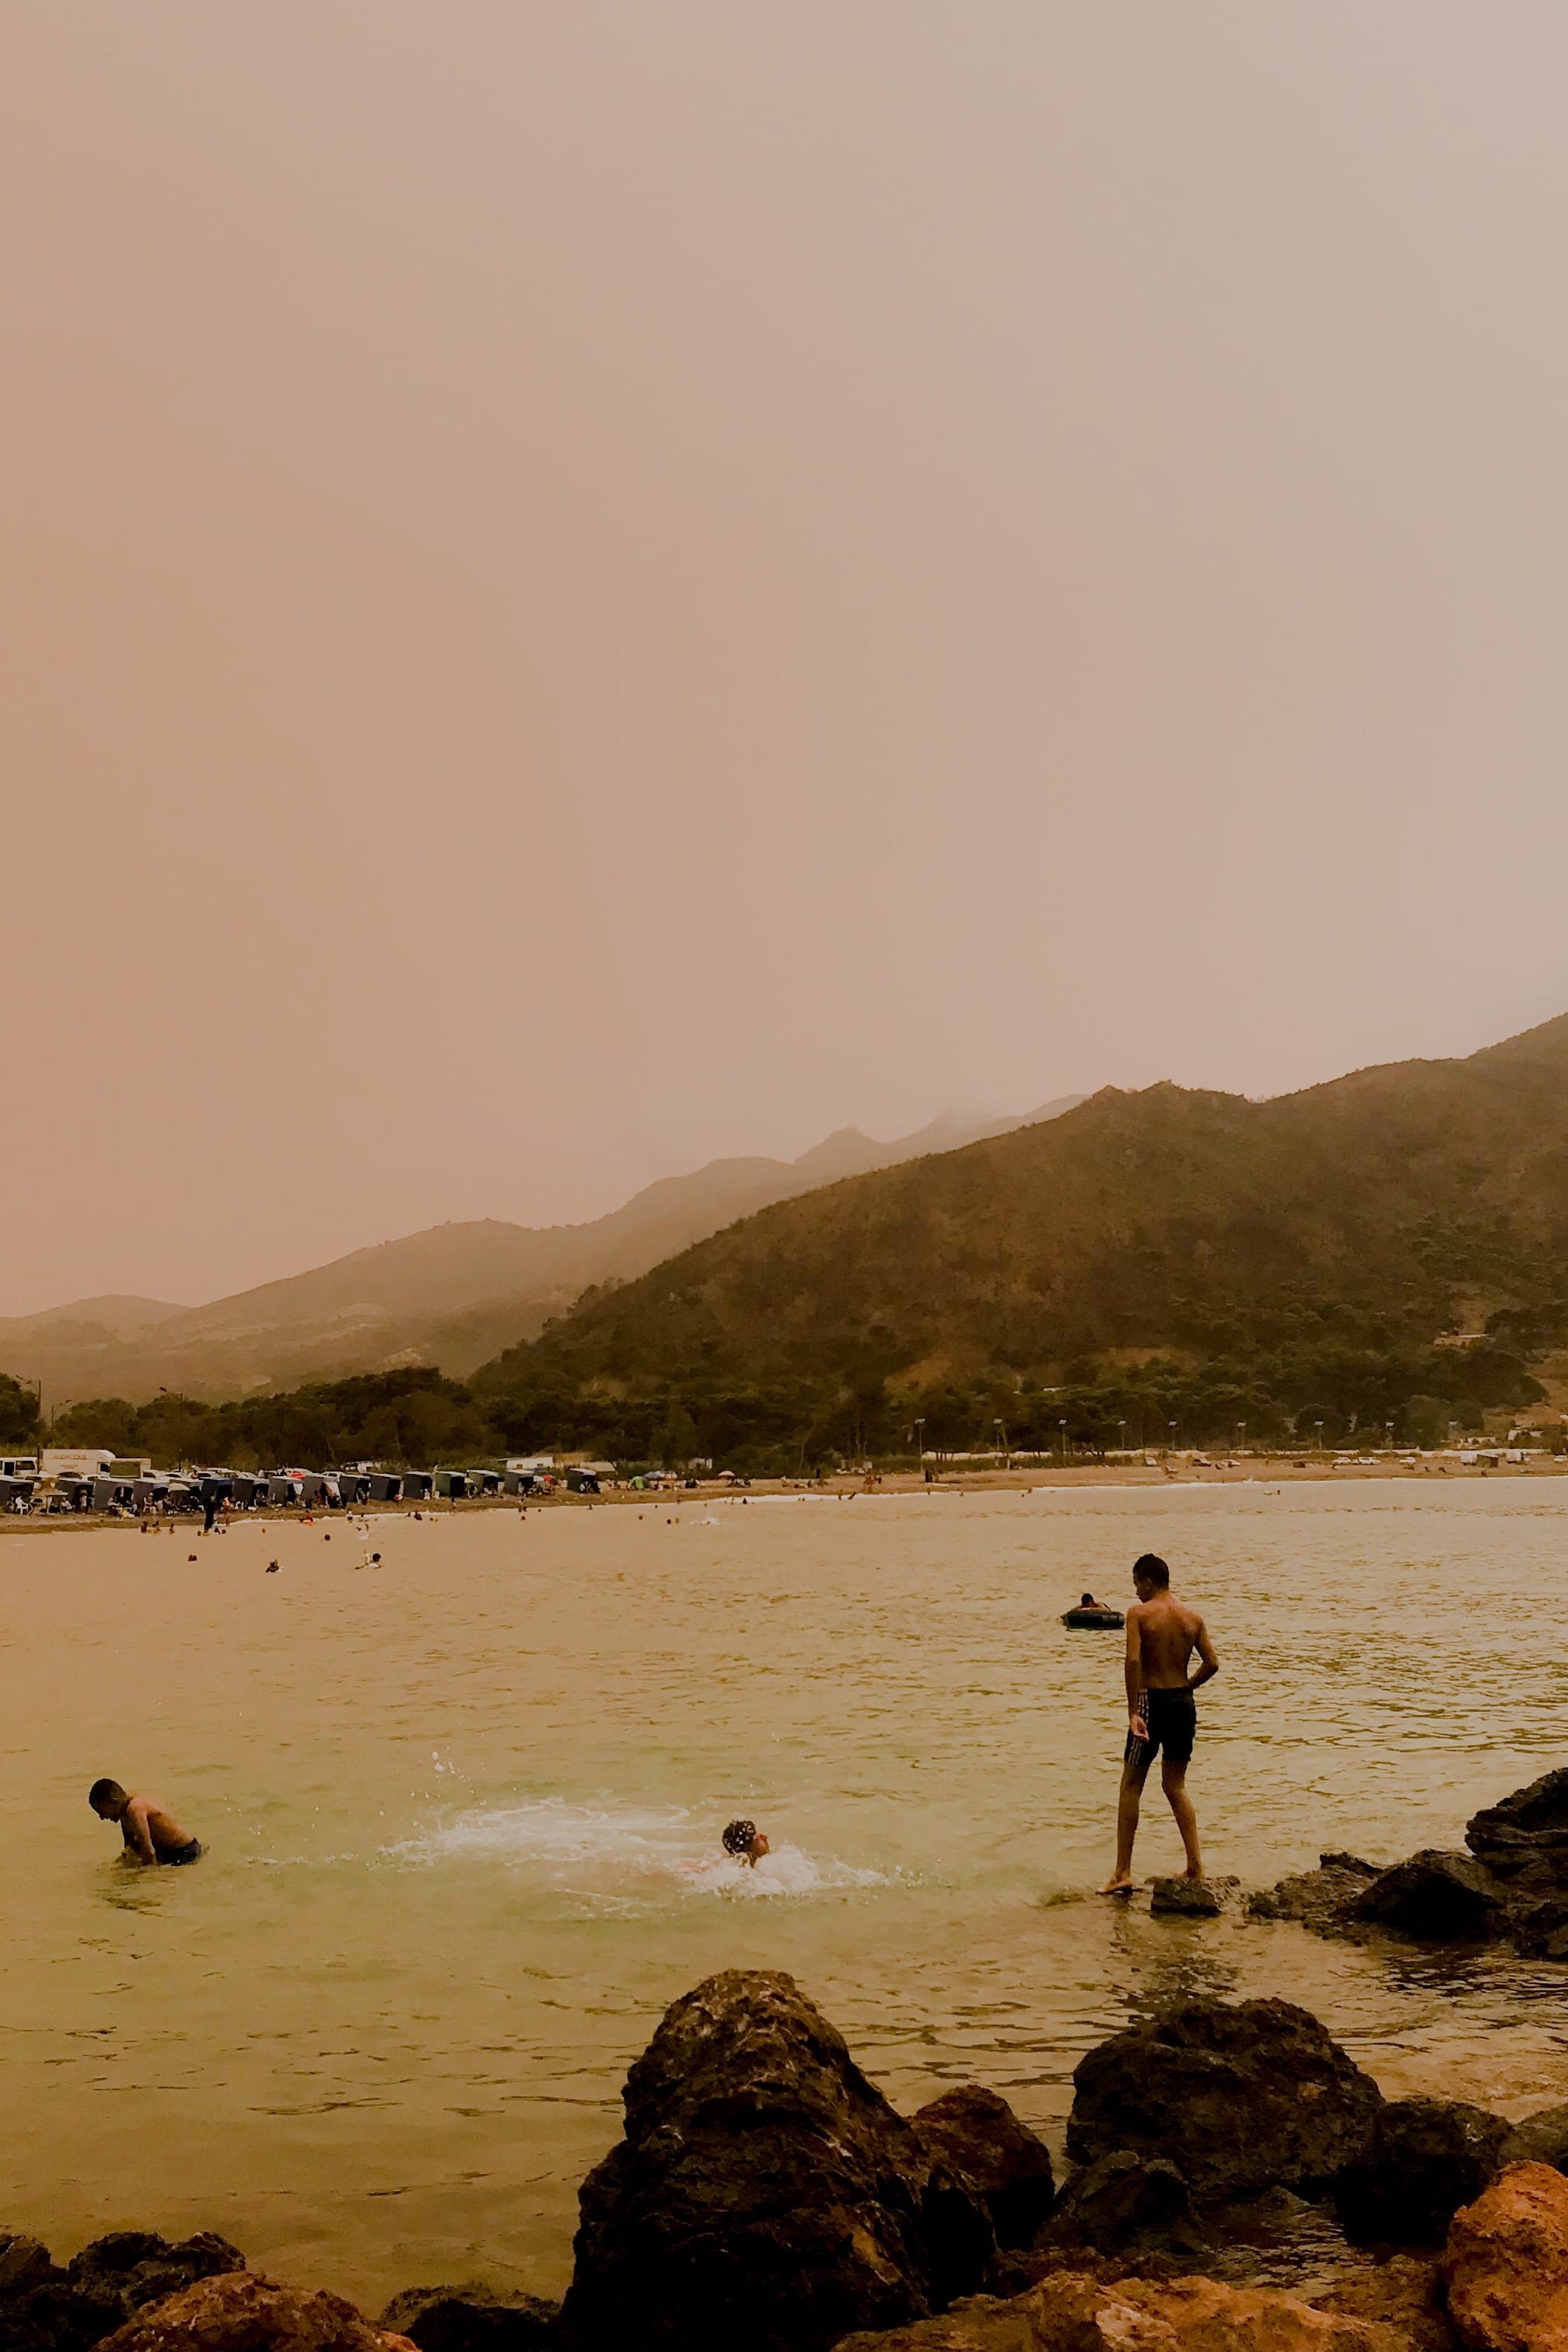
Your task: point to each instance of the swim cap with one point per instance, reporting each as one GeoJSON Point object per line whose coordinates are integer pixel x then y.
{"type": "Point", "coordinates": [739, 1837]}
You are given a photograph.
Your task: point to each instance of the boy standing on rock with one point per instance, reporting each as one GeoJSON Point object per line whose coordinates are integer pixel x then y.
{"type": "Point", "coordinates": [1162, 1635]}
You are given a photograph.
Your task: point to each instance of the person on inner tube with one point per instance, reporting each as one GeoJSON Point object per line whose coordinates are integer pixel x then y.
{"type": "Point", "coordinates": [747, 1841]}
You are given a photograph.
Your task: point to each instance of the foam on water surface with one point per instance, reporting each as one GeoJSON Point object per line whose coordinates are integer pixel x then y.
{"type": "Point", "coordinates": [611, 1851]}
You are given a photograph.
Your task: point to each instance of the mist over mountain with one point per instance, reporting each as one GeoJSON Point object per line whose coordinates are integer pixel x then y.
{"type": "Point", "coordinates": [452, 1296]}
{"type": "Point", "coordinates": [1389, 1245]}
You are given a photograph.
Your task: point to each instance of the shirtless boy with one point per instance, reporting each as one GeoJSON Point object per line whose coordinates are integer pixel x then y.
{"type": "Point", "coordinates": [1162, 1635]}
{"type": "Point", "coordinates": [150, 1833]}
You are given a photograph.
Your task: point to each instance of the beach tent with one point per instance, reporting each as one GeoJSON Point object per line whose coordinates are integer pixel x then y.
{"type": "Point", "coordinates": [112, 1494]}
{"type": "Point", "coordinates": [452, 1484]}
{"type": "Point", "coordinates": [146, 1493]}
{"type": "Point", "coordinates": [581, 1482]}
{"type": "Point", "coordinates": [484, 1482]}
{"type": "Point", "coordinates": [16, 1493]}
{"type": "Point", "coordinates": [384, 1486]}
{"type": "Point", "coordinates": [518, 1481]}
{"type": "Point", "coordinates": [280, 1488]}
{"type": "Point", "coordinates": [354, 1488]}
{"type": "Point", "coordinates": [418, 1486]}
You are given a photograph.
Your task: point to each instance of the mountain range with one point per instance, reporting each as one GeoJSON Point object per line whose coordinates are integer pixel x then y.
{"type": "Point", "coordinates": [1403, 1224]}
{"type": "Point", "coordinates": [453, 1296]}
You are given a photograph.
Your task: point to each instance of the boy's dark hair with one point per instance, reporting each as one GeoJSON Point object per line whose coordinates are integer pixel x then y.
{"type": "Point", "coordinates": [739, 1837]}
{"type": "Point", "coordinates": [105, 1792]}
{"type": "Point", "coordinates": [1086, 1602]}
{"type": "Point", "coordinates": [1150, 1568]}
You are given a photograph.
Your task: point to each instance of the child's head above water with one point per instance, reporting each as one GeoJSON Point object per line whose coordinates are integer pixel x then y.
{"type": "Point", "coordinates": [745, 1841]}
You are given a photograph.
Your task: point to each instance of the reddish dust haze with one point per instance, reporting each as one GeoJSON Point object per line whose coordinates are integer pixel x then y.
{"type": "Point", "coordinates": [589, 587]}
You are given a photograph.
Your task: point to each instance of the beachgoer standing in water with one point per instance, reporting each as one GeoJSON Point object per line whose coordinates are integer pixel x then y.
{"type": "Point", "coordinates": [1162, 1635]}
{"type": "Point", "coordinates": [150, 1833]}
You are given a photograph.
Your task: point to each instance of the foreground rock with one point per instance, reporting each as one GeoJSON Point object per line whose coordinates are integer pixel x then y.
{"type": "Point", "coordinates": [1405, 2295]}
{"type": "Point", "coordinates": [1072, 2313]}
{"type": "Point", "coordinates": [472, 2318]}
{"type": "Point", "coordinates": [1192, 1898]}
{"type": "Point", "coordinates": [1539, 2138]}
{"type": "Point", "coordinates": [241, 2312]}
{"type": "Point", "coordinates": [1245, 2096]}
{"type": "Point", "coordinates": [1125, 2204]}
{"type": "Point", "coordinates": [974, 2133]}
{"type": "Point", "coordinates": [44, 2308]}
{"type": "Point", "coordinates": [765, 2195]}
{"type": "Point", "coordinates": [1507, 2265]}
{"type": "Point", "coordinates": [1427, 2157]}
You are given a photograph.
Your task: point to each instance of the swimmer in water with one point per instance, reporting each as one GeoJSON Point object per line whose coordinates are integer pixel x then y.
{"type": "Point", "coordinates": [152, 1834]}
{"type": "Point", "coordinates": [747, 1841]}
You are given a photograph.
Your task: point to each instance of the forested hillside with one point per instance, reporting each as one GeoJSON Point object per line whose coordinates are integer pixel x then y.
{"type": "Point", "coordinates": [1329, 1257]}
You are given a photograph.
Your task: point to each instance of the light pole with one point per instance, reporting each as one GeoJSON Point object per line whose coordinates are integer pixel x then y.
{"type": "Point", "coordinates": [920, 1443]}
{"type": "Point", "coordinates": [1122, 1438]}
{"type": "Point", "coordinates": [1241, 1437]}
{"type": "Point", "coordinates": [1063, 1427]}
{"type": "Point", "coordinates": [1172, 1427]}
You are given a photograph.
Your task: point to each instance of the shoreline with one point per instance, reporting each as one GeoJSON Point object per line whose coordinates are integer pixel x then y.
{"type": "Point", "coordinates": [1101, 1477]}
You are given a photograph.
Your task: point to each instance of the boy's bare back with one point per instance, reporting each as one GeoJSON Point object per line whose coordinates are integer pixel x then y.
{"type": "Point", "coordinates": [1162, 1632]}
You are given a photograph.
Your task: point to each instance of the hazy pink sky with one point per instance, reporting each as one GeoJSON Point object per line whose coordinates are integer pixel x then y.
{"type": "Point", "coordinates": [588, 587]}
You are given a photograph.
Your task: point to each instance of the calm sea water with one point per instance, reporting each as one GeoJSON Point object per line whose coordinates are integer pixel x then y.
{"type": "Point", "coordinates": [463, 1815]}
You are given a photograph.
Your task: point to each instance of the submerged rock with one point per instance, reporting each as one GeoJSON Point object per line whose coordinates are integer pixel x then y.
{"type": "Point", "coordinates": [1191, 1898]}
{"type": "Point", "coordinates": [1244, 2096]}
{"type": "Point", "coordinates": [976, 2135]}
{"type": "Point", "coordinates": [765, 2195]}
{"type": "Point", "coordinates": [239, 2311]}
{"type": "Point", "coordinates": [471, 2319]}
{"type": "Point", "coordinates": [1427, 2157]}
{"type": "Point", "coordinates": [1438, 1898]}
{"type": "Point", "coordinates": [1507, 2265]}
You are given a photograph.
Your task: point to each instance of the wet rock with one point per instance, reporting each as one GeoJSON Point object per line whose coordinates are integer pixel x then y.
{"type": "Point", "coordinates": [1507, 2265]}
{"type": "Point", "coordinates": [1125, 2204]}
{"type": "Point", "coordinates": [1427, 2157]}
{"type": "Point", "coordinates": [1191, 1898]}
{"type": "Point", "coordinates": [1250, 2095]}
{"type": "Point", "coordinates": [1318, 1898]}
{"type": "Point", "coordinates": [239, 2311]}
{"type": "Point", "coordinates": [44, 2309]}
{"type": "Point", "coordinates": [1524, 1840]}
{"type": "Point", "coordinates": [1436, 1896]}
{"type": "Point", "coordinates": [23, 2263]}
{"type": "Point", "coordinates": [471, 2319]}
{"type": "Point", "coordinates": [974, 2133]}
{"type": "Point", "coordinates": [1404, 2293]}
{"type": "Point", "coordinates": [1072, 2313]}
{"type": "Point", "coordinates": [135, 2267]}
{"type": "Point", "coordinates": [765, 2195]}
{"type": "Point", "coordinates": [1539, 2138]}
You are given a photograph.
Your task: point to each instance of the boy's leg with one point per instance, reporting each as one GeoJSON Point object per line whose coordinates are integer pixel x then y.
{"type": "Point", "coordinates": [1174, 1780]}
{"type": "Point", "coordinates": [1134, 1772]}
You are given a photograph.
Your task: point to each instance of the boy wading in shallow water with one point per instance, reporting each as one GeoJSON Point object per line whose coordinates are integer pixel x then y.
{"type": "Point", "coordinates": [1162, 1635]}
{"type": "Point", "coordinates": [151, 1833]}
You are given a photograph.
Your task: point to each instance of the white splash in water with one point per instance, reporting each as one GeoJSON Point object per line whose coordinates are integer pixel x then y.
{"type": "Point", "coordinates": [607, 1851]}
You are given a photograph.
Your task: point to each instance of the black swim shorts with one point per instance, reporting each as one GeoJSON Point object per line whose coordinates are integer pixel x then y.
{"type": "Point", "coordinates": [192, 1852]}
{"type": "Point", "coordinates": [1171, 1721]}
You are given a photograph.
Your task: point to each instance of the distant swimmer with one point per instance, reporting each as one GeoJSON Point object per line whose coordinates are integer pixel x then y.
{"type": "Point", "coordinates": [747, 1841]}
{"type": "Point", "coordinates": [150, 1833]}
{"type": "Point", "coordinates": [1162, 1635]}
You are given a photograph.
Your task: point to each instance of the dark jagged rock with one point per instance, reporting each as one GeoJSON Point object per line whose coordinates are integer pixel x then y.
{"type": "Point", "coordinates": [1436, 1896]}
{"type": "Point", "coordinates": [764, 2194]}
{"type": "Point", "coordinates": [46, 2309]}
{"type": "Point", "coordinates": [1248, 2096]}
{"type": "Point", "coordinates": [1125, 2204]}
{"type": "Point", "coordinates": [974, 2133]}
{"type": "Point", "coordinates": [1524, 1840]}
{"type": "Point", "coordinates": [471, 2319]}
{"type": "Point", "coordinates": [1318, 1898]}
{"type": "Point", "coordinates": [1539, 2138]}
{"type": "Point", "coordinates": [1427, 2157]}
